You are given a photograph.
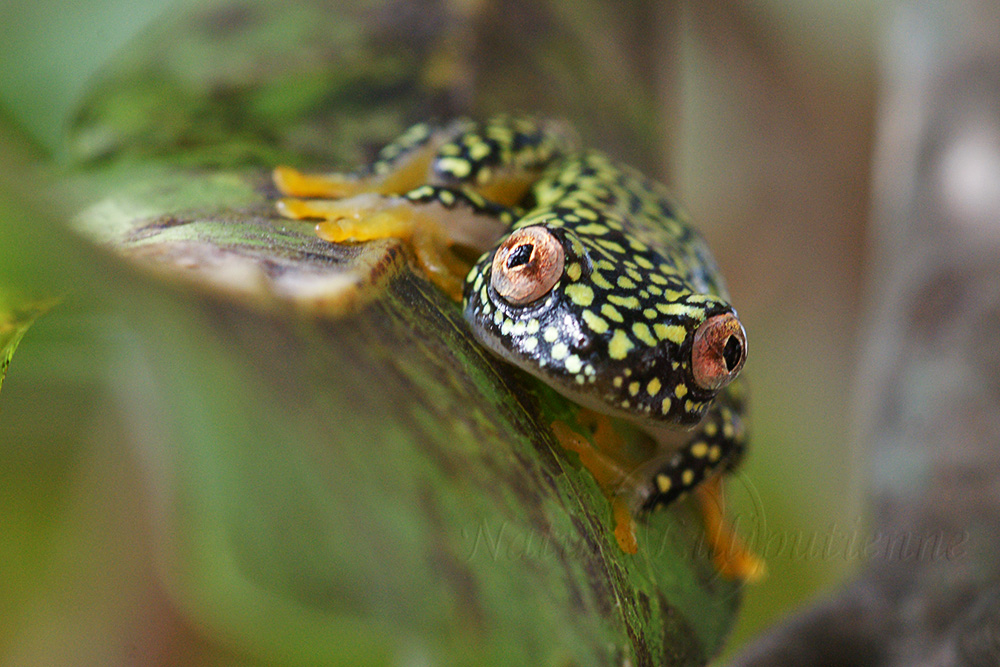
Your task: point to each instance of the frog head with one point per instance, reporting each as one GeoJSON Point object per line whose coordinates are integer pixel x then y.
{"type": "Point", "coordinates": [623, 333]}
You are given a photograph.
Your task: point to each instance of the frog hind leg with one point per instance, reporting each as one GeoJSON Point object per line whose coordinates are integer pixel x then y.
{"type": "Point", "coordinates": [715, 447]}
{"type": "Point", "coordinates": [424, 218]}
{"type": "Point", "coordinates": [400, 167]}
{"type": "Point", "coordinates": [503, 157]}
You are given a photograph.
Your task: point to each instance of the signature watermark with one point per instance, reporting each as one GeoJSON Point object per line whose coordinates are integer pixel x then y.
{"type": "Point", "coordinates": [850, 541]}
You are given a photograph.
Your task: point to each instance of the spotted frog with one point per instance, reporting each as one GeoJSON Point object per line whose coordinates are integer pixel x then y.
{"type": "Point", "coordinates": [590, 278]}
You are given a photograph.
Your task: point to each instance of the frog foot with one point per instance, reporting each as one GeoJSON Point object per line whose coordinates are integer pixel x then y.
{"type": "Point", "coordinates": [294, 183]}
{"type": "Point", "coordinates": [369, 216]}
{"type": "Point", "coordinates": [732, 558]}
{"type": "Point", "coordinates": [607, 471]}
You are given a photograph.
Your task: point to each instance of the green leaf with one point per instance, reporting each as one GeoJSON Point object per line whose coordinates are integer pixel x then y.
{"type": "Point", "coordinates": [337, 473]}
{"type": "Point", "coordinates": [15, 317]}
{"type": "Point", "coordinates": [351, 478]}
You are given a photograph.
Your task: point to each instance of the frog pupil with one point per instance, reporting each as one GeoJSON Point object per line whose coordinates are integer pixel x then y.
{"type": "Point", "coordinates": [732, 353]}
{"type": "Point", "coordinates": [520, 255]}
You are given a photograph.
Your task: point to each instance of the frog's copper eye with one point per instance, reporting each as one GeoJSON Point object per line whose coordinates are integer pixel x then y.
{"type": "Point", "coordinates": [527, 265]}
{"type": "Point", "coordinates": [719, 351]}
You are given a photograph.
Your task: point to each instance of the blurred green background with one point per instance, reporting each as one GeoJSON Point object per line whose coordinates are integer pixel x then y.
{"type": "Point", "coordinates": [767, 110]}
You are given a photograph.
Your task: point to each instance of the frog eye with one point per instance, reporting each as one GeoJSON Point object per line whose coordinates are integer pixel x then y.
{"type": "Point", "coordinates": [719, 351]}
{"type": "Point", "coordinates": [527, 265]}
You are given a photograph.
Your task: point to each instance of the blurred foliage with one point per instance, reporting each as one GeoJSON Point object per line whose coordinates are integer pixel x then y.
{"type": "Point", "coordinates": [771, 126]}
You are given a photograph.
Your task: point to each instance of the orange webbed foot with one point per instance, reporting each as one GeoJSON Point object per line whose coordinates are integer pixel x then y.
{"type": "Point", "coordinates": [732, 558]}
{"type": "Point", "coordinates": [608, 472]}
{"type": "Point", "coordinates": [294, 183]}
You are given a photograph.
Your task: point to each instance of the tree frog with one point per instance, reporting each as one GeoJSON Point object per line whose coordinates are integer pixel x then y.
{"type": "Point", "coordinates": [590, 278]}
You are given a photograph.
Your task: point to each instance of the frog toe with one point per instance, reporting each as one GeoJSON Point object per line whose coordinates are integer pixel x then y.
{"type": "Point", "coordinates": [295, 183]}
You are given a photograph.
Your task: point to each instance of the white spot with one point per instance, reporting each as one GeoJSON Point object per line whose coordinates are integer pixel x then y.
{"type": "Point", "coordinates": [574, 365]}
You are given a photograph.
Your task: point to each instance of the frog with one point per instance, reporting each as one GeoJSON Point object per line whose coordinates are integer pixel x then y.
{"type": "Point", "coordinates": [586, 275]}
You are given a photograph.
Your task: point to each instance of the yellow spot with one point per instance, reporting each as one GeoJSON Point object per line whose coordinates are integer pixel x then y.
{"type": "Point", "coordinates": [665, 406]}
{"type": "Point", "coordinates": [625, 282]}
{"type": "Point", "coordinates": [687, 477]}
{"type": "Point", "coordinates": [711, 428]}
{"type": "Point", "coordinates": [643, 262]}
{"type": "Point", "coordinates": [506, 327]}
{"type": "Point", "coordinates": [654, 387]}
{"type": "Point", "coordinates": [727, 430]}
{"type": "Point", "coordinates": [456, 166]}
{"type": "Point", "coordinates": [619, 345]}
{"type": "Point", "coordinates": [672, 332]}
{"type": "Point", "coordinates": [658, 279]}
{"type": "Point", "coordinates": [479, 151]}
{"type": "Point", "coordinates": [533, 326]}
{"type": "Point", "coordinates": [574, 271]}
{"type": "Point", "coordinates": [587, 213]}
{"type": "Point", "coordinates": [529, 344]}
{"type": "Point", "coordinates": [580, 294]}
{"type": "Point", "coordinates": [699, 450]}
{"type": "Point", "coordinates": [681, 390]}
{"type": "Point", "coordinates": [624, 301]}
{"type": "Point", "coordinates": [680, 309]}
{"type": "Point", "coordinates": [559, 351]}
{"type": "Point", "coordinates": [551, 335]}
{"type": "Point", "coordinates": [714, 453]}
{"type": "Point", "coordinates": [649, 313]}
{"type": "Point", "coordinates": [689, 405]}
{"type": "Point", "coordinates": [633, 388]}
{"type": "Point", "coordinates": [642, 332]}
{"type": "Point", "coordinates": [617, 381]}
{"type": "Point", "coordinates": [600, 280]}
{"type": "Point", "coordinates": [594, 321]}
{"type": "Point", "coordinates": [654, 290]}
{"type": "Point", "coordinates": [592, 228]}
{"type": "Point", "coordinates": [611, 313]}
{"type": "Point", "coordinates": [611, 245]}
{"type": "Point", "coordinates": [663, 483]}
{"type": "Point", "coordinates": [604, 265]}
{"type": "Point", "coordinates": [518, 328]}
{"type": "Point", "coordinates": [634, 275]}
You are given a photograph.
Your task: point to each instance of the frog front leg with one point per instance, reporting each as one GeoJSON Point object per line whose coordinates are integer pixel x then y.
{"type": "Point", "coordinates": [716, 447]}
{"type": "Point", "coordinates": [608, 460]}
